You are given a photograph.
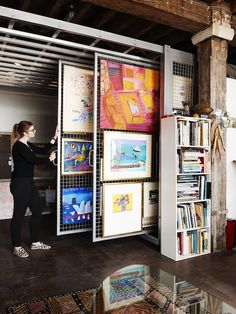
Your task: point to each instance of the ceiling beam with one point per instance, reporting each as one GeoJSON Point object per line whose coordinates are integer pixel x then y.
{"type": "Point", "coordinates": [54, 8]}
{"type": "Point", "coordinates": [25, 5]}
{"type": "Point", "coordinates": [173, 13]}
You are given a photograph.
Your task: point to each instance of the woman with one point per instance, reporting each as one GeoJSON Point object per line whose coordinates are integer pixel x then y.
{"type": "Point", "coordinates": [23, 187]}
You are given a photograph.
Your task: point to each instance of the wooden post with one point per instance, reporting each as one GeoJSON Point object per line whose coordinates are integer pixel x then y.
{"type": "Point", "coordinates": [212, 56]}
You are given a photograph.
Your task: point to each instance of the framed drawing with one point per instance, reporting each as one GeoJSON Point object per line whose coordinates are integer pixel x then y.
{"type": "Point", "coordinates": [122, 208]}
{"type": "Point", "coordinates": [77, 205]}
{"type": "Point", "coordinates": [150, 203]}
{"type": "Point", "coordinates": [126, 155]}
{"type": "Point", "coordinates": [128, 97]}
{"type": "Point", "coordinates": [77, 99]}
{"type": "Point", "coordinates": [76, 156]}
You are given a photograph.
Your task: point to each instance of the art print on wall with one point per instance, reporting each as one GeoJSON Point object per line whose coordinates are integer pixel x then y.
{"type": "Point", "coordinates": [122, 207]}
{"type": "Point", "coordinates": [76, 156]}
{"type": "Point", "coordinates": [77, 205]}
{"type": "Point", "coordinates": [150, 203]}
{"type": "Point", "coordinates": [126, 155]}
{"type": "Point", "coordinates": [77, 100]}
{"type": "Point", "coordinates": [128, 97]}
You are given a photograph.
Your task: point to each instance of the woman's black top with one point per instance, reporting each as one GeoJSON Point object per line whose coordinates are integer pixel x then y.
{"type": "Point", "coordinates": [24, 158]}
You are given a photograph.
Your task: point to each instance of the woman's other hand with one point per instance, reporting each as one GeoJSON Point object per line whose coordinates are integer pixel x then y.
{"type": "Point", "coordinates": [53, 156]}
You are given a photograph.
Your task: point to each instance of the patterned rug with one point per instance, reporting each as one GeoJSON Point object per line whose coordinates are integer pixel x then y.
{"type": "Point", "coordinates": [79, 302]}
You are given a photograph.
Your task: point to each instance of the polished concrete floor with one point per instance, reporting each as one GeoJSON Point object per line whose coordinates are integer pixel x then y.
{"type": "Point", "coordinates": [75, 262]}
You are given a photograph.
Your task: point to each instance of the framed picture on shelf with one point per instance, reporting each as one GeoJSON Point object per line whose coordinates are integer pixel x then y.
{"type": "Point", "coordinates": [126, 155]}
{"type": "Point", "coordinates": [77, 100]}
{"type": "Point", "coordinates": [128, 96]}
{"type": "Point", "coordinates": [150, 203]}
{"type": "Point", "coordinates": [77, 205]}
{"type": "Point", "coordinates": [76, 156]}
{"type": "Point", "coordinates": [122, 208]}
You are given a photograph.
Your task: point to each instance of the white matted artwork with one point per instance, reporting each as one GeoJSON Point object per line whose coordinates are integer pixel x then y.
{"type": "Point", "coordinates": [122, 208]}
{"type": "Point", "coordinates": [77, 100]}
{"type": "Point", "coordinates": [150, 203]}
{"type": "Point", "coordinates": [182, 91]}
{"type": "Point", "coordinates": [126, 155]}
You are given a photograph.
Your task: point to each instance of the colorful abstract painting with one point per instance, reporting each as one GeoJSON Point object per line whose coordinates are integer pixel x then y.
{"type": "Point", "coordinates": [77, 205]}
{"type": "Point", "coordinates": [77, 99]}
{"type": "Point", "coordinates": [128, 97]}
{"type": "Point", "coordinates": [126, 155]}
{"type": "Point", "coordinates": [122, 202]}
{"type": "Point", "coordinates": [76, 156]}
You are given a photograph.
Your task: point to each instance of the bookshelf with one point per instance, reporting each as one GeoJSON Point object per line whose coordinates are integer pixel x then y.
{"type": "Point", "coordinates": [185, 205]}
{"type": "Point", "coordinates": [185, 297]}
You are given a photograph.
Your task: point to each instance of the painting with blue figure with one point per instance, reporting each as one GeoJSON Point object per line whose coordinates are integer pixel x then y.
{"type": "Point", "coordinates": [77, 156]}
{"type": "Point", "coordinates": [128, 154]}
{"type": "Point", "coordinates": [77, 205]}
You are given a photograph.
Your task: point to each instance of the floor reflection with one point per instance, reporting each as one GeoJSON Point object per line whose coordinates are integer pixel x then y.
{"type": "Point", "coordinates": [137, 289]}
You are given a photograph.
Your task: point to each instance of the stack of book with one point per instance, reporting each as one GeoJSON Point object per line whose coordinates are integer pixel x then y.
{"type": "Point", "coordinates": [191, 161]}
{"type": "Point", "coordinates": [191, 188]}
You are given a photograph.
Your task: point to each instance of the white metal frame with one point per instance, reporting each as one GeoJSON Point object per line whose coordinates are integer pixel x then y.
{"type": "Point", "coordinates": [59, 148]}
{"type": "Point", "coordinates": [78, 53]}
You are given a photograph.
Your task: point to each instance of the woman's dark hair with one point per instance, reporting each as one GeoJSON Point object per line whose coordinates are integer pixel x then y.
{"type": "Point", "coordinates": [19, 129]}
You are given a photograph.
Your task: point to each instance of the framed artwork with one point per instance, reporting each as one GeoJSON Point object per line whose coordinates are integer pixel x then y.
{"type": "Point", "coordinates": [122, 208]}
{"type": "Point", "coordinates": [125, 287]}
{"type": "Point", "coordinates": [126, 155]}
{"type": "Point", "coordinates": [77, 205]}
{"type": "Point", "coordinates": [150, 203]}
{"type": "Point", "coordinates": [128, 97]}
{"type": "Point", "coordinates": [77, 99]}
{"type": "Point", "coordinates": [76, 156]}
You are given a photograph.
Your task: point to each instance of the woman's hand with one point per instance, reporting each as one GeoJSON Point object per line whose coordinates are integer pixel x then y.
{"type": "Point", "coordinates": [52, 156]}
{"type": "Point", "coordinates": [56, 133]}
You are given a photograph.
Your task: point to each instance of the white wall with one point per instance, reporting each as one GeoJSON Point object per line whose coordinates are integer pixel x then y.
{"type": "Point", "coordinates": [41, 110]}
{"type": "Point", "coordinates": [14, 107]}
{"type": "Point", "coordinates": [231, 150]}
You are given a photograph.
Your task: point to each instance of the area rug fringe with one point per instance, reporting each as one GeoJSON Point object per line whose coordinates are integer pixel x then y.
{"type": "Point", "coordinates": [79, 302]}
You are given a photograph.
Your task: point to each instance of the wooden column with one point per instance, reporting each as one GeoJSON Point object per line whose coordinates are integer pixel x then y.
{"type": "Point", "coordinates": [212, 56]}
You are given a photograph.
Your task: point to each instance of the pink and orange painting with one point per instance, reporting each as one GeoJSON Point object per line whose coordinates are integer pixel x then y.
{"type": "Point", "coordinates": [129, 97]}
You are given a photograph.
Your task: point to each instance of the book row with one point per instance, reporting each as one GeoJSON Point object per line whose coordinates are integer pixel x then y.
{"type": "Point", "coordinates": [193, 215]}
{"type": "Point", "coordinates": [193, 133]}
{"type": "Point", "coordinates": [193, 242]}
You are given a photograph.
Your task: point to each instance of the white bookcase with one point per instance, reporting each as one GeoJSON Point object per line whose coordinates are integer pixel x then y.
{"type": "Point", "coordinates": [185, 207]}
{"type": "Point", "coordinates": [185, 297]}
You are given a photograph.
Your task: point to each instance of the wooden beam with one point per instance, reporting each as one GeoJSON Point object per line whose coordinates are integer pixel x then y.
{"type": "Point", "coordinates": [80, 11]}
{"type": "Point", "coordinates": [173, 13]}
{"type": "Point", "coordinates": [212, 55]}
{"type": "Point", "coordinates": [102, 20]}
{"type": "Point", "coordinates": [233, 6]}
{"type": "Point", "coordinates": [25, 5]}
{"type": "Point", "coordinates": [55, 6]}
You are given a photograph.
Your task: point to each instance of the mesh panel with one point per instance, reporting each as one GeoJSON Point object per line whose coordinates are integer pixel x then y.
{"type": "Point", "coordinates": [183, 79]}
{"type": "Point", "coordinates": [99, 154]}
{"type": "Point", "coordinates": [74, 180]}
